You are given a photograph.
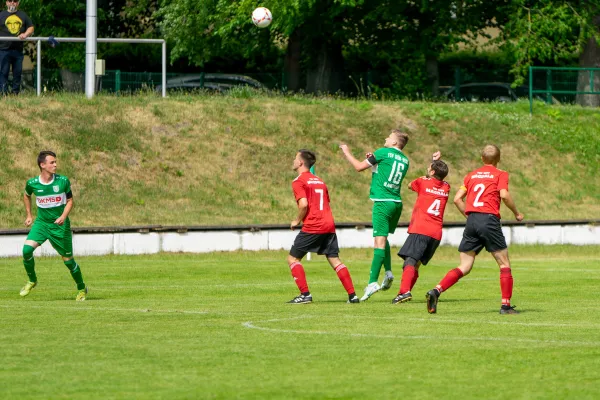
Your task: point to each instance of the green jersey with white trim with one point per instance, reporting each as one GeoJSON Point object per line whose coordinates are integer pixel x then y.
{"type": "Point", "coordinates": [389, 167]}
{"type": "Point", "coordinates": [51, 197]}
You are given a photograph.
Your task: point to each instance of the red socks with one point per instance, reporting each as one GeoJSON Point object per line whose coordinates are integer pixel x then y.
{"type": "Point", "coordinates": [409, 277]}
{"type": "Point", "coordinates": [344, 275]}
{"type": "Point", "coordinates": [449, 280]}
{"type": "Point", "coordinates": [299, 276]}
{"type": "Point", "coordinates": [412, 284]}
{"type": "Point", "coordinates": [506, 285]}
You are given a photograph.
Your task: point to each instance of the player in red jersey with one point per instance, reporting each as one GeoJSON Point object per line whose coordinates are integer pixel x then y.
{"type": "Point", "coordinates": [483, 188]}
{"type": "Point", "coordinates": [425, 228]}
{"type": "Point", "coordinates": [318, 228]}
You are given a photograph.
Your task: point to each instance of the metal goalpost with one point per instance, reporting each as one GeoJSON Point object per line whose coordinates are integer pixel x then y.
{"type": "Point", "coordinates": [91, 40]}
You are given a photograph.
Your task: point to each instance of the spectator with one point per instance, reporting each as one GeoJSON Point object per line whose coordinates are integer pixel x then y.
{"type": "Point", "coordinates": [13, 23]}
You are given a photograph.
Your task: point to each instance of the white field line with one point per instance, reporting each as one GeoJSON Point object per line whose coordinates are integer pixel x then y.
{"type": "Point", "coordinates": [252, 325]}
{"type": "Point", "coordinates": [87, 308]}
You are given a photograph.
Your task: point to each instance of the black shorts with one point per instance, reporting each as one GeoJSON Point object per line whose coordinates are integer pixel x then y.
{"type": "Point", "coordinates": [320, 243]}
{"type": "Point", "coordinates": [482, 230]}
{"type": "Point", "coordinates": [420, 247]}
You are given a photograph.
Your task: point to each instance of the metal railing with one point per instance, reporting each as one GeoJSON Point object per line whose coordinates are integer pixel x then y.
{"type": "Point", "coordinates": [39, 41]}
{"type": "Point", "coordinates": [562, 83]}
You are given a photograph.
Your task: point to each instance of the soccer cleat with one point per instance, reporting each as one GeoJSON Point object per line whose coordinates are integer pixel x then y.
{"type": "Point", "coordinates": [402, 298]}
{"type": "Point", "coordinates": [301, 299]}
{"type": "Point", "coordinates": [81, 294]}
{"type": "Point", "coordinates": [370, 290]}
{"type": "Point", "coordinates": [432, 300]}
{"type": "Point", "coordinates": [387, 280]}
{"type": "Point", "coordinates": [27, 288]}
{"type": "Point", "coordinates": [508, 310]}
{"type": "Point", "coordinates": [354, 299]}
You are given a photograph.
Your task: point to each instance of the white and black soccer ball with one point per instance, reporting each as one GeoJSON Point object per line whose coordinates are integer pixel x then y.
{"type": "Point", "coordinates": [262, 17]}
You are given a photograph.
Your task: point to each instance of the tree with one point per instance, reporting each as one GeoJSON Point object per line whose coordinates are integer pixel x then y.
{"type": "Point", "coordinates": [554, 31]}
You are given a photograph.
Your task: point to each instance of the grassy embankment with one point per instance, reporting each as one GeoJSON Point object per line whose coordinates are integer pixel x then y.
{"type": "Point", "coordinates": [227, 160]}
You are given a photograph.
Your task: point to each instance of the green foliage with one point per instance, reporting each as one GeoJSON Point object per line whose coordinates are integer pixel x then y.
{"type": "Point", "coordinates": [544, 31]}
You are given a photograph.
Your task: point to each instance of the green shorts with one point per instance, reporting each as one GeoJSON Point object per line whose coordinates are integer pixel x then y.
{"type": "Point", "coordinates": [60, 237]}
{"type": "Point", "coordinates": [386, 215]}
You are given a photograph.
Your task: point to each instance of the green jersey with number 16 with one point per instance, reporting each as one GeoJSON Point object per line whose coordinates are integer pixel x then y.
{"type": "Point", "coordinates": [51, 197]}
{"type": "Point", "coordinates": [389, 166]}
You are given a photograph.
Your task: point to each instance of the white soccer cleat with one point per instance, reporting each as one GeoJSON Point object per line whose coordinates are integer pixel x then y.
{"type": "Point", "coordinates": [370, 290]}
{"type": "Point", "coordinates": [387, 280]}
{"type": "Point", "coordinates": [27, 288]}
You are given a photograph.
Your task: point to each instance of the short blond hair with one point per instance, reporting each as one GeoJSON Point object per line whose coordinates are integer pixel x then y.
{"type": "Point", "coordinates": [401, 137]}
{"type": "Point", "coordinates": [490, 154]}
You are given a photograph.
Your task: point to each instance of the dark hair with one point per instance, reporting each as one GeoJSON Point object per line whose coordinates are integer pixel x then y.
{"type": "Point", "coordinates": [440, 168]}
{"type": "Point", "coordinates": [42, 157]}
{"type": "Point", "coordinates": [308, 157]}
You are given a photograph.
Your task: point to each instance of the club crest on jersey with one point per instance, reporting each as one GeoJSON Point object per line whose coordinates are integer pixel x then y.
{"type": "Point", "coordinates": [56, 188]}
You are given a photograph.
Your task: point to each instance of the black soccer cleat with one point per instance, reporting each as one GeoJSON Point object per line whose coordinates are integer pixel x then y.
{"type": "Point", "coordinates": [301, 299]}
{"type": "Point", "coordinates": [402, 298]}
{"type": "Point", "coordinates": [354, 299]}
{"type": "Point", "coordinates": [432, 300]}
{"type": "Point", "coordinates": [508, 310]}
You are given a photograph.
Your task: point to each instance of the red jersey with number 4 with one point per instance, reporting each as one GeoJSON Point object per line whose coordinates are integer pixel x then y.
{"type": "Point", "coordinates": [428, 213]}
{"type": "Point", "coordinates": [319, 218]}
{"type": "Point", "coordinates": [483, 190]}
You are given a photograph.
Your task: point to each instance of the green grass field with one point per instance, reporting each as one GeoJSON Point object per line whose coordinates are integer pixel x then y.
{"type": "Point", "coordinates": [175, 326]}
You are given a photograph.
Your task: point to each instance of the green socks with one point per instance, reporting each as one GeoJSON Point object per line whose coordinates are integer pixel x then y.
{"type": "Point", "coordinates": [387, 261]}
{"type": "Point", "coordinates": [378, 258]}
{"type": "Point", "coordinates": [29, 262]}
{"type": "Point", "coordinates": [75, 273]}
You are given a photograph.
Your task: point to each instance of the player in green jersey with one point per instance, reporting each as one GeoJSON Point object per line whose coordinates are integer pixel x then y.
{"type": "Point", "coordinates": [54, 200]}
{"type": "Point", "coordinates": [389, 166]}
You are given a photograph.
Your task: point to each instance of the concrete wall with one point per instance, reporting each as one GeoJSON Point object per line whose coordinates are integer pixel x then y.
{"type": "Point", "coordinates": [277, 239]}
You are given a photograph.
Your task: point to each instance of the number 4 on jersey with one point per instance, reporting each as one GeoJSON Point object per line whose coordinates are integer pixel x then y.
{"type": "Point", "coordinates": [434, 208]}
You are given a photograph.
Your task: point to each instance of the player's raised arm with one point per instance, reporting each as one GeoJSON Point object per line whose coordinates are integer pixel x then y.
{"type": "Point", "coordinates": [459, 200]}
{"type": "Point", "coordinates": [358, 165]}
{"type": "Point", "coordinates": [510, 203]}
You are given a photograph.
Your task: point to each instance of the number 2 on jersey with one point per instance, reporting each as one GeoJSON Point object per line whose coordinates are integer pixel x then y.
{"type": "Point", "coordinates": [434, 208]}
{"type": "Point", "coordinates": [478, 189]}
{"type": "Point", "coordinates": [320, 193]}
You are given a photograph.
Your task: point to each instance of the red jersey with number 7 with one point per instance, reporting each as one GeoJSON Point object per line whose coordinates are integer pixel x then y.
{"type": "Point", "coordinates": [319, 218]}
{"type": "Point", "coordinates": [428, 213]}
{"type": "Point", "coordinates": [483, 187]}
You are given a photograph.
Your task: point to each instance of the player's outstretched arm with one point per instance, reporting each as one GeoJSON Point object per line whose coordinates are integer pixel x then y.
{"type": "Point", "coordinates": [358, 165]}
{"type": "Point", "coordinates": [27, 203]}
{"type": "Point", "coordinates": [302, 211]}
{"type": "Point", "coordinates": [510, 203]}
{"type": "Point", "coordinates": [459, 200]}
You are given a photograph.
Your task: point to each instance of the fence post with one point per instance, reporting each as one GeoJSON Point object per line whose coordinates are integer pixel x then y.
{"type": "Point", "coordinates": [548, 86]}
{"type": "Point", "coordinates": [457, 83]}
{"type": "Point", "coordinates": [117, 81]}
{"type": "Point", "coordinates": [202, 80]}
{"type": "Point", "coordinates": [530, 90]}
{"type": "Point", "coordinates": [38, 68]}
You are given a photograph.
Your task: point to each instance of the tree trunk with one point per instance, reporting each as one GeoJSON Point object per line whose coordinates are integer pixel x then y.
{"type": "Point", "coordinates": [72, 81]}
{"type": "Point", "coordinates": [590, 58]}
{"type": "Point", "coordinates": [291, 66]}
{"type": "Point", "coordinates": [433, 74]}
{"type": "Point", "coordinates": [327, 75]}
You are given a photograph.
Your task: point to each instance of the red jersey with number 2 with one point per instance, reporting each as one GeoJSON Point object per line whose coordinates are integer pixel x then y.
{"type": "Point", "coordinates": [319, 218]}
{"type": "Point", "coordinates": [428, 213]}
{"type": "Point", "coordinates": [483, 190]}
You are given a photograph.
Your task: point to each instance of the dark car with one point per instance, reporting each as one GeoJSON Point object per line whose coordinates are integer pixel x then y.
{"type": "Point", "coordinates": [212, 82]}
{"type": "Point", "coordinates": [492, 91]}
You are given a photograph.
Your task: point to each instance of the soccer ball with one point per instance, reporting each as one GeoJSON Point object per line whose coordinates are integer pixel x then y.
{"type": "Point", "coordinates": [262, 17]}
